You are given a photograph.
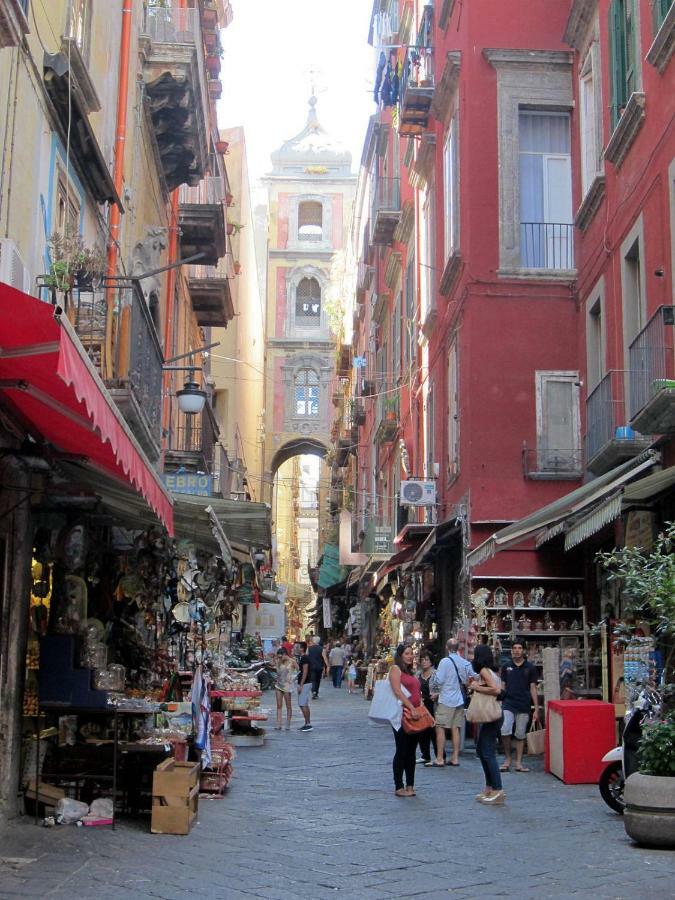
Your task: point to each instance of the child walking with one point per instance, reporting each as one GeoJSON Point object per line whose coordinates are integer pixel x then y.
{"type": "Point", "coordinates": [350, 673]}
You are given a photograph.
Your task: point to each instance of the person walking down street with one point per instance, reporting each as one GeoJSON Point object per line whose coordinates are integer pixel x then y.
{"type": "Point", "coordinates": [283, 688]}
{"type": "Point", "coordinates": [427, 737]}
{"type": "Point", "coordinates": [488, 682]}
{"type": "Point", "coordinates": [401, 676]}
{"type": "Point", "coordinates": [520, 693]}
{"type": "Point", "coordinates": [304, 687]}
{"type": "Point", "coordinates": [350, 672]}
{"type": "Point", "coordinates": [452, 674]}
{"type": "Point", "coordinates": [336, 661]}
{"type": "Point", "coordinates": [317, 665]}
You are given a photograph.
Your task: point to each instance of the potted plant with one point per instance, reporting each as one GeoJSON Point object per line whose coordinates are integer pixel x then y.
{"type": "Point", "coordinates": [237, 267]}
{"type": "Point", "coordinates": [648, 586]}
{"type": "Point", "coordinates": [229, 199]}
{"type": "Point", "coordinates": [222, 147]}
{"type": "Point", "coordinates": [390, 408]}
{"type": "Point", "coordinates": [233, 228]}
{"type": "Point", "coordinates": [213, 64]}
{"type": "Point", "coordinates": [73, 263]}
{"type": "Point", "coordinates": [649, 817]}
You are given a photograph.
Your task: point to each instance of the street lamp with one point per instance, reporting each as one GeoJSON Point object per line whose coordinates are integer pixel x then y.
{"type": "Point", "coordinates": [191, 398]}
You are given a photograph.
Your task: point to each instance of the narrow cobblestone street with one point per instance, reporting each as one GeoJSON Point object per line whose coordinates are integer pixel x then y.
{"type": "Point", "coordinates": [314, 815]}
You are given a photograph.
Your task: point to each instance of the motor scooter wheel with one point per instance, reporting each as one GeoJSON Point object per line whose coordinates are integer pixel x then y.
{"type": "Point", "coordinates": [611, 786]}
{"type": "Point", "coordinates": [265, 680]}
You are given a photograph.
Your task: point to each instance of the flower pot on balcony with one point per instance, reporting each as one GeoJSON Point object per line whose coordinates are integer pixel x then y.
{"type": "Point", "coordinates": [237, 268]}
{"type": "Point", "coordinates": [222, 147]}
{"type": "Point", "coordinates": [229, 199]}
{"type": "Point", "coordinates": [215, 88]}
{"type": "Point", "coordinates": [209, 17]}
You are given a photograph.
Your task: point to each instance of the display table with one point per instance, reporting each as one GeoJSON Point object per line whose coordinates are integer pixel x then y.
{"type": "Point", "coordinates": [578, 734]}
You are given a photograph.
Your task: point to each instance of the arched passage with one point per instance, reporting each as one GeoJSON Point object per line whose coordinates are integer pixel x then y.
{"type": "Point", "coordinates": [300, 447]}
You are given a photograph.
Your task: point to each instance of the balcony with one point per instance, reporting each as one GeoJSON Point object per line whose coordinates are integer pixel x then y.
{"type": "Point", "coordinates": [175, 86]}
{"type": "Point", "coordinates": [387, 413]}
{"type": "Point", "coordinates": [379, 539]}
{"type": "Point", "coordinates": [201, 217]}
{"type": "Point", "coordinates": [609, 439]}
{"type": "Point", "coordinates": [13, 22]}
{"type": "Point", "coordinates": [192, 442]}
{"type": "Point", "coordinates": [357, 413]}
{"type": "Point", "coordinates": [652, 375]}
{"type": "Point", "coordinates": [547, 245]}
{"type": "Point", "coordinates": [116, 329]}
{"type": "Point", "coordinates": [363, 280]}
{"type": "Point", "coordinates": [417, 83]}
{"type": "Point", "coordinates": [552, 464]}
{"type": "Point", "coordinates": [211, 296]}
{"type": "Point", "coordinates": [386, 210]}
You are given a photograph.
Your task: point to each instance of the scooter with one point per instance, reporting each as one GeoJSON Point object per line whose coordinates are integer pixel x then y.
{"type": "Point", "coordinates": [264, 671]}
{"type": "Point", "coordinates": [622, 760]}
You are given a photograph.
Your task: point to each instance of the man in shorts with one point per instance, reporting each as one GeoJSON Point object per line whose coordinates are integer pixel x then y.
{"type": "Point", "coordinates": [304, 687]}
{"type": "Point", "coordinates": [520, 693]}
{"type": "Point", "coordinates": [451, 674]}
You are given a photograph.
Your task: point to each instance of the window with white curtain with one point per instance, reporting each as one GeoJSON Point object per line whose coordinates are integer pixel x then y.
{"type": "Point", "coordinates": [450, 191]}
{"type": "Point", "coordinates": [545, 169]}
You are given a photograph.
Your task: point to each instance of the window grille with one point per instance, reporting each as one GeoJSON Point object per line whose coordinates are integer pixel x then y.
{"type": "Point", "coordinates": [308, 303]}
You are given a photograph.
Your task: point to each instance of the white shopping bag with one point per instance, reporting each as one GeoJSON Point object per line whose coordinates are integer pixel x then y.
{"type": "Point", "coordinates": [385, 707]}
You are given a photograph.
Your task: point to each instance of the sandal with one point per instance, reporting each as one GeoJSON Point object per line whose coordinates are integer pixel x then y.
{"type": "Point", "coordinates": [505, 767]}
{"type": "Point", "coordinates": [400, 792]}
{"type": "Point", "coordinates": [522, 769]}
{"type": "Point", "coordinates": [410, 792]}
{"type": "Point", "coordinates": [436, 765]}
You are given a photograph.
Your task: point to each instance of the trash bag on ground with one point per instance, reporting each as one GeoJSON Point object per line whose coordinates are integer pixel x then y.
{"type": "Point", "coordinates": [70, 811]}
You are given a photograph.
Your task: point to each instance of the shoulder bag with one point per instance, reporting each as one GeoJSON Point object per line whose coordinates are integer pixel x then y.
{"type": "Point", "coordinates": [415, 726]}
{"type": "Point", "coordinates": [483, 708]}
{"type": "Point", "coordinates": [462, 684]}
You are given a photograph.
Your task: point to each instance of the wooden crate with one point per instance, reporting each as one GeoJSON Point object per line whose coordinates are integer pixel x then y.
{"type": "Point", "coordinates": [175, 779]}
{"type": "Point", "coordinates": [174, 815]}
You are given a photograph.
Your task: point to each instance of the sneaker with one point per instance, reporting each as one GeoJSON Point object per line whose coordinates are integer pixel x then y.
{"type": "Point", "coordinates": [306, 728]}
{"type": "Point", "coordinates": [496, 799]}
{"type": "Point", "coordinates": [421, 760]}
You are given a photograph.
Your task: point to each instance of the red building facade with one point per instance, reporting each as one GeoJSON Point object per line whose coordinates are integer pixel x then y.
{"type": "Point", "coordinates": [514, 239]}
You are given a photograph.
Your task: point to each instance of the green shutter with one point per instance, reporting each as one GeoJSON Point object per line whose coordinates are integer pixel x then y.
{"type": "Point", "coordinates": [659, 12]}
{"type": "Point", "coordinates": [617, 59]}
{"type": "Point", "coordinates": [630, 37]}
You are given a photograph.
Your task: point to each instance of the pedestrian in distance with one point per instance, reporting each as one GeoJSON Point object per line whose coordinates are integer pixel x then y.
{"type": "Point", "coordinates": [350, 673]}
{"type": "Point", "coordinates": [317, 665]}
{"type": "Point", "coordinates": [304, 687]}
{"type": "Point", "coordinates": [452, 675]}
{"type": "Point", "coordinates": [427, 737]}
{"type": "Point", "coordinates": [283, 688]}
{"type": "Point", "coordinates": [520, 693]}
{"type": "Point", "coordinates": [401, 676]}
{"type": "Point", "coordinates": [488, 682]}
{"type": "Point", "coordinates": [287, 645]}
{"type": "Point", "coordinates": [336, 662]}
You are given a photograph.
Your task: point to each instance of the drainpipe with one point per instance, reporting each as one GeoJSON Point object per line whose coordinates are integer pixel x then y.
{"type": "Point", "coordinates": [118, 173]}
{"type": "Point", "coordinates": [170, 301]}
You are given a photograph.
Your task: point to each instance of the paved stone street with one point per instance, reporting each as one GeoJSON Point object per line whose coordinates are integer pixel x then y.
{"type": "Point", "coordinates": [314, 815]}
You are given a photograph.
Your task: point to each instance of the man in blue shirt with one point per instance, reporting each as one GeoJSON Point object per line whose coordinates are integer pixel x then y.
{"type": "Point", "coordinates": [453, 672]}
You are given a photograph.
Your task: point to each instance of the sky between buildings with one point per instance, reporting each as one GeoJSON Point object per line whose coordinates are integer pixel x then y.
{"type": "Point", "coordinates": [273, 51]}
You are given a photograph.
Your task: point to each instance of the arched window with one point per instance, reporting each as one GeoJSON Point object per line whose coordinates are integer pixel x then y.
{"type": "Point", "coordinates": [308, 302]}
{"type": "Point", "coordinates": [310, 221]}
{"type": "Point", "coordinates": [307, 393]}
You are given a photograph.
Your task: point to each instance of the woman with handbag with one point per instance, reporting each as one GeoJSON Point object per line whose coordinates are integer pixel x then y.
{"type": "Point", "coordinates": [486, 710]}
{"type": "Point", "coordinates": [407, 690]}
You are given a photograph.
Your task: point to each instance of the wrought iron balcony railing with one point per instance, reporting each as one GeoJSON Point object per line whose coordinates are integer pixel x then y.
{"type": "Point", "coordinates": [172, 24]}
{"type": "Point", "coordinates": [652, 374]}
{"type": "Point", "coordinates": [552, 463]}
{"type": "Point", "coordinates": [385, 209]}
{"type": "Point", "coordinates": [547, 245]}
{"type": "Point", "coordinates": [210, 190]}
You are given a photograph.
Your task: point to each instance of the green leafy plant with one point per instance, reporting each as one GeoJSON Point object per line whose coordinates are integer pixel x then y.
{"type": "Point", "coordinates": [656, 751]}
{"type": "Point", "coordinates": [648, 584]}
{"type": "Point", "coordinates": [72, 259]}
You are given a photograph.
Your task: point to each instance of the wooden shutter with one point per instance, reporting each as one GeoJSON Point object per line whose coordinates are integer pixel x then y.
{"type": "Point", "coordinates": [617, 59]}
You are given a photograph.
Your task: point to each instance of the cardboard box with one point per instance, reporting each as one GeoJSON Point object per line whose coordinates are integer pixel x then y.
{"type": "Point", "coordinates": [174, 815]}
{"type": "Point", "coordinates": [175, 779]}
{"type": "Point", "coordinates": [47, 797]}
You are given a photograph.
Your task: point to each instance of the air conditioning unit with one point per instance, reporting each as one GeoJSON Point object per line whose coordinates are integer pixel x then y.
{"type": "Point", "coordinates": [418, 493]}
{"type": "Point", "coordinates": [12, 268]}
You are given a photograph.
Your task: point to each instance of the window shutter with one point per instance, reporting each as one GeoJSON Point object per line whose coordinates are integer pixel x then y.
{"type": "Point", "coordinates": [659, 12]}
{"type": "Point", "coordinates": [617, 67]}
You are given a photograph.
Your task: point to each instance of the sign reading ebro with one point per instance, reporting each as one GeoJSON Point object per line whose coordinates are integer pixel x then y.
{"type": "Point", "coordinates": [189, 483]}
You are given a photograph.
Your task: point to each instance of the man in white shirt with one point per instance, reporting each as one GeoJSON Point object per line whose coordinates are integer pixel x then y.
{"type": "Point", "coordinates": [453, 671]}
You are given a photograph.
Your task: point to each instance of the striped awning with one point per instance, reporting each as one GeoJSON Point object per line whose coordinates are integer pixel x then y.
{"type": "Point", "coordinates": [602, 515]}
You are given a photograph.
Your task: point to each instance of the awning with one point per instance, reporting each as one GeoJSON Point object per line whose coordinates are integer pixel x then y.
{"type": "Point", "coordinates": [47, 377]}
{"type": "Point", "coordinates": [571, 504]}
{"type": "Point", "coordinates": [649, 487]}
{"type": "Point", "coordinates": [331, 572]}
{"type": "Point", "coordinates": [246, 524]}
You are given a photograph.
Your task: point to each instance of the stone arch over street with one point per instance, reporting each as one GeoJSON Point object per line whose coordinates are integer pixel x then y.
{"type": "Point", "coordinates": [297, 447]}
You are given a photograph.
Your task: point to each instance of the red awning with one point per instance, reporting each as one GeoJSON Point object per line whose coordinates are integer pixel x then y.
{"type": "Point", "coordinates": [49, 379]}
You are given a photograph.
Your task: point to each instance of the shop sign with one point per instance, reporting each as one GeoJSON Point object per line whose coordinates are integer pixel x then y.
{"type": "Point", "coordinates": [382, 539]}
{"type": "Point", "coordinates": [327, 617]}
{"type": "Point", "coordinates": [189, 483]}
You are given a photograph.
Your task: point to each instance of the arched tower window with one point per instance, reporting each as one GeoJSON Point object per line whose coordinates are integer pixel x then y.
{"type": "Point", "coordinates": [310, 221]}
{"type": "Point", "coordinates": [308, 303]}
{"type": "Point", "coordinates": [307, 393]}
